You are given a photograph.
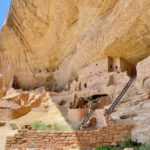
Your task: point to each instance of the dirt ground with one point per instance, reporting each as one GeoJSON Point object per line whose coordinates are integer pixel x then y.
{"type": "Point", "coordinates": [4, 132]}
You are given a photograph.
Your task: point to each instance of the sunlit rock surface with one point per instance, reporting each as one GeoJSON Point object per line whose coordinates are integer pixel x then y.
{"type": "Point", "coordinates": [43, 41]}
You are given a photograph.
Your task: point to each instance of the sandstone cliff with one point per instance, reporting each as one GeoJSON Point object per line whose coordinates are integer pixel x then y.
{"type": "Point", "coordinates": [43, 41]}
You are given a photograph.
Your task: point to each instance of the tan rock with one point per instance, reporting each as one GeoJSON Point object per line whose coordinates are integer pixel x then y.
{"type": "Point", "coordinates": [50, 43]}
{"type": "Point", "coordinates": [67, 39]}
{"type": "Point", "coordinates": [125, 116]}
{"type": "Point", "coordinates": [143, 76]}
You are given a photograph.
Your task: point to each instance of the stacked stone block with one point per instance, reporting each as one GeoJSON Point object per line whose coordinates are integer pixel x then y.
{"type": "Point", "coordinates": [30, 138]}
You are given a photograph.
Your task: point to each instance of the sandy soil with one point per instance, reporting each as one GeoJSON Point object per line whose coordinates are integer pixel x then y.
{"type": "Point", "coordinates": [4, 132]}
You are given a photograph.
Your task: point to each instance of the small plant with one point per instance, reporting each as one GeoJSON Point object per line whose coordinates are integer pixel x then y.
{"type": "Point", "coordinates": [127, 143]}
{"type": "Point", "coordinates": [40, 126]}
{"type": "Point", "coordinates": [145, 146]}
{"type": "Point", "coordinates": [105, 148]}
{"type": "Point", "coordinates": [60, 127]}
{"type": "Point", "coordinates": [56, 127]}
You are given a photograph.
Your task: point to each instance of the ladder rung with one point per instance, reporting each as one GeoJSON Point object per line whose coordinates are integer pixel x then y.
{"type": "Point", "coordinates": [124, 90]}
{"type": "Point", "coordinates": [89, 115]}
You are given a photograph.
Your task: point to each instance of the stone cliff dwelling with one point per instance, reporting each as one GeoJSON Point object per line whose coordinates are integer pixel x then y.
{"type": "Point", "coordinates": [88, 110]}
{"type": "Point", "coordinates": [103, 73]}
{"type": "Point", "coordinates": [74, 74]}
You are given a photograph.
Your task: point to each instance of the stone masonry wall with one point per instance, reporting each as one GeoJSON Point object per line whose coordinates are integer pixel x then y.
{"type": "Point", "coordinates": [100, 66]}
{"type": "Point", "coordinates": [120, 65]}
{"type": "Point", "coordinates": [30, 138]}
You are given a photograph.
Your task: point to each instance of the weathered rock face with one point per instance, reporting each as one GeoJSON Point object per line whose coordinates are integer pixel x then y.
{"type": "Point", "coordinates": [40, 38]}
{"type": "Point", "coordinates": [143, 73]}
{"type": "Point", "coordinates": [135, 110]}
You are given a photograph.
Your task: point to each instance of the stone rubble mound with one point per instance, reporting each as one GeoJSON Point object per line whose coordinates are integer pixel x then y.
{"type": "Point", "coordinates": [18, 102]}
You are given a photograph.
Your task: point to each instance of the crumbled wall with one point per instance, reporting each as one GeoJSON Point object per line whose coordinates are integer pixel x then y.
{"type": "Point", "coordinates": [17, 102]}
{"type": "Point", "coordinates": [30, 138]}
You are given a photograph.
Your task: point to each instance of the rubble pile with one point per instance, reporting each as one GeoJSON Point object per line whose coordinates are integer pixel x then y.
{"type": "Point", "coordinates": [78, 103]}
{"type": "Point", "coordinates": [18, 102]}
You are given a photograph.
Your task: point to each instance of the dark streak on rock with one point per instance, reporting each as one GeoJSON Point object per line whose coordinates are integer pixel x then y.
{"type": "Point", "coordinates": [13, 23]}
{"type": "Point", "coordinates": [46, 22]}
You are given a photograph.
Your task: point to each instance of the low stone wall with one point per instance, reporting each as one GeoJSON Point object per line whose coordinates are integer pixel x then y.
{"type": "Point", "coordinates": [30, 138]}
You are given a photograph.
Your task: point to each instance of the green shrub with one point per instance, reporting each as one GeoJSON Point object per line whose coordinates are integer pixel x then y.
{"type": "Point", "coordinates": [56, 127]}
{"type": "Point", "coordinates": [40, 126]}
{"type": "Point", "coordinates": [60, 127]}
{"type": "Point", "coordinates": [144, 146]}
{"type": "Point", "coordinates": [105, 148]}
{"type": "Point", "coordinates": [127, 143]}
